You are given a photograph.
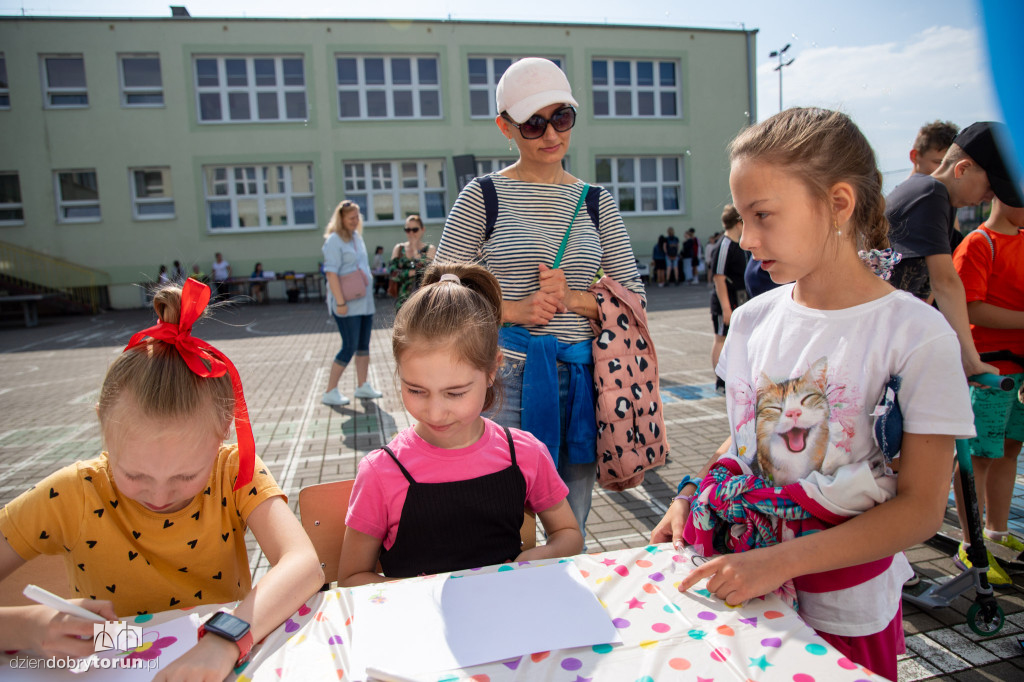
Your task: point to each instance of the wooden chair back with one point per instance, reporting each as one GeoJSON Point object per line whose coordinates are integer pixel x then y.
{"type": "Point", "coordinates": [322, 509]}
{"type": "Point", "coordinates": [528, 531]}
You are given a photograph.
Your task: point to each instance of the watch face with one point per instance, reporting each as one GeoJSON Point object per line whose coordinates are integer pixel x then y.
{"type": "Point", "coordinates": [228, 626]}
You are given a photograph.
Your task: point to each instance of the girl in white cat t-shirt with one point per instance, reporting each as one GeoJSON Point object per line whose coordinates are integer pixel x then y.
{"type": "Point", "coordinates": [805, 366]}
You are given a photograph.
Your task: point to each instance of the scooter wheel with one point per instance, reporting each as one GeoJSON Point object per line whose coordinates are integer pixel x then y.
{"type": "Point", "coordinates": [985, 622]}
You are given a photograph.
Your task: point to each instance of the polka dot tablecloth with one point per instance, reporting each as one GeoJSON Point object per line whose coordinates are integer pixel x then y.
{"type": "Point", "coordinates": [666, 635]}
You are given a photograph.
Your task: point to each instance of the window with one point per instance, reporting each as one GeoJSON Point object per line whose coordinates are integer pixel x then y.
{"type": "Point", "coordinates": [152, 195]}
{"type": "Point", "coordinates": [485, 166]}
{"type": "Point", "coordinates": [390, 191]}
{"type": "Point", "coordinates": [242, 89]}
{"type": "Point", "coordinates": [11, 210]}
{"type": "Point", "coordinates": [240, 198]}
{"type": "Point", "coordinates": [78, 196]}
{"type": "Point", "coordinates": [632, 88]}
{"type": "Point", "coordinates": [64, 82]}
{"type": "Point", "coordinates": [5, 90]}
{"type": "Point", "coordinates": [647, 184]}
{"type": "Point", "coordinates": [378, 86]}
{"type": "Point", "coordinates": [484, 74]}
{"type": "Point", "coordinates": [141, 84]}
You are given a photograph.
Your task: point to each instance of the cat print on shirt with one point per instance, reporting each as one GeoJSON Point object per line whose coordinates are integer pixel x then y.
{"type": "Point", "coordinates": [792, 425]}
{"type": "Point", "coordinates": [788, 427]}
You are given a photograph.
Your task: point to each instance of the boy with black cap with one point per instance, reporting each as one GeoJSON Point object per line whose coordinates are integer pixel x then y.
{"type": "Point", "coordinates": [921, 213]}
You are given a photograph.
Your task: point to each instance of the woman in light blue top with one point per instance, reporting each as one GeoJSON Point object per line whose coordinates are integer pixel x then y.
{"type": "Point", "coordinates": [344, 253]}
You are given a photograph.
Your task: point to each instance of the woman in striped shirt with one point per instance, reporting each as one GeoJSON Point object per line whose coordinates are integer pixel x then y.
{"type": "Point", "coordinates": [547, 334]}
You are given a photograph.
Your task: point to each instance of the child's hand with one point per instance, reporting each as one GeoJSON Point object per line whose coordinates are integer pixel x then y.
{"type": "Point", "coordinates": [671, 525]}
{"type": "Point", "coordinates": [735, 578]}
{"type": "Point", "coordinates": [60, 634]}
{"type": "Point", "coordinates": [208, 661]}
{"type": "Point", "coordinates": [974, 366]}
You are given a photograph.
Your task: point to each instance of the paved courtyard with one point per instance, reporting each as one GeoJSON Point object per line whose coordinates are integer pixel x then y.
{"type": "Point", "coordinates": [50, 377]}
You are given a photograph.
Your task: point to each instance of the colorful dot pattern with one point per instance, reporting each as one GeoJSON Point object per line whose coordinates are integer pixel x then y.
{"type": "Point", "coordinates": [681, 637]}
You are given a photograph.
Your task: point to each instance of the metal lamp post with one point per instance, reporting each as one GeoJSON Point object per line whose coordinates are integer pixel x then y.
{"type": "Point", "coordinates": [782, 64]}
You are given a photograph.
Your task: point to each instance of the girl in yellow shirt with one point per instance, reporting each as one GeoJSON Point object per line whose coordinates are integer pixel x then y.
{"type": "Point", "coordinates": [158, 520]}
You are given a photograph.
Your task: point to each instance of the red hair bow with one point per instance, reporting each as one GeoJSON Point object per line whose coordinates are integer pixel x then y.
{"type": "Point", "coordinates": [206, 361]}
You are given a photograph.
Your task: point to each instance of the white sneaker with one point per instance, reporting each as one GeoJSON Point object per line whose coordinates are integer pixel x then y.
{"type": "Point", "coordinates": [334, 397]}
{"type": "Point", "coordinates": [367, 391]}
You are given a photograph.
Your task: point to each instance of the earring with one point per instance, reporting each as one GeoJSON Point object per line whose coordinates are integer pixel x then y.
{"type": "Point", "coordinates": [510, 144]}
{"type": "Point", "coordinates": [835, 224]}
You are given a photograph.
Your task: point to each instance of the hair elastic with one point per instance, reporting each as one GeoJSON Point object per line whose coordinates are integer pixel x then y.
{"type": "Point", "coordinates": [449, 277]}
{"type": "Point", "coordinates": [205, 361]}
{"type": "Point", "coordinates": [881, 262]}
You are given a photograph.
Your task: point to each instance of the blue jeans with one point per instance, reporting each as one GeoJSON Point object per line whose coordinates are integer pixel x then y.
{"type": "Point", "coordinates": [580, 478]}
{"type": "Point", "coordinates": [355, 336]}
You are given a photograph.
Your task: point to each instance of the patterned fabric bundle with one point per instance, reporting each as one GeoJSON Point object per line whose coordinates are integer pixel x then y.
{"type": "Point", "coordinates": [736, 512]}
{"type": "Point", "coordinates": [745, 506]}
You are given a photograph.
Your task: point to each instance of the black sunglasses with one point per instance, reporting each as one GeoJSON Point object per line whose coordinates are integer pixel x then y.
{"type": "Point", "coordinates": [410, 230]}
{"type": "Point", "coordinates": [563, 119]}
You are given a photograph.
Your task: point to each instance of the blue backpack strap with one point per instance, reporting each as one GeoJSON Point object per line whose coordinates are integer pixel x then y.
{"type": "Point", "coordinates": [593, 200]}
{"type": "Point", "coordinates": [490, 204]}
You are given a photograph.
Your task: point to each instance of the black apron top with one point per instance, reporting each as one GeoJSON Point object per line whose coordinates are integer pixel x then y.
{"type": "Point", "coordinates": [458, 524]}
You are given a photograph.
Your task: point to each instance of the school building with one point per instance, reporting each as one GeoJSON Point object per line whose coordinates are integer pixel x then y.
{"type": "Point", "coordinates": [131, 143]}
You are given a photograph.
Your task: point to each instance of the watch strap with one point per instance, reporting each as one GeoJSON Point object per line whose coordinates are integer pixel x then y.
{"type": "Point", "coordinates": [244, 643]}
{"type": "Point", "coordinates": [244, 648]}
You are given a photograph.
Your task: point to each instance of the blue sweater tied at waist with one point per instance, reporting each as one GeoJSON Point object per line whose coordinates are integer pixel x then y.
{"type": "Point", "coordinates": [540, 403]}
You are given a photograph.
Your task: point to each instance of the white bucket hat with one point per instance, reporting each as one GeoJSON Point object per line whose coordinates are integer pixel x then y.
{"type": "Point", "coordinates": [531, 84]}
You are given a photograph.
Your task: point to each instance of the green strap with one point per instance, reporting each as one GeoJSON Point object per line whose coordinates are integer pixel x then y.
{"type": "Point", "coordinates": [565, 239]}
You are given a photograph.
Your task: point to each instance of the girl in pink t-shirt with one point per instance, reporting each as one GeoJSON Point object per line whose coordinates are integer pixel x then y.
{"type": "Point", "coordinates": [449, 492]}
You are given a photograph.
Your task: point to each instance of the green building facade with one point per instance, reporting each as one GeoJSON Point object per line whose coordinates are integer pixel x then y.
{"type": "Point", "coordinates": [130, 143]}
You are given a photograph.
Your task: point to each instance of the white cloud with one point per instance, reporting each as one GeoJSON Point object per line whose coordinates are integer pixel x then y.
{"type": "Point", "coordinates": [890, 89]}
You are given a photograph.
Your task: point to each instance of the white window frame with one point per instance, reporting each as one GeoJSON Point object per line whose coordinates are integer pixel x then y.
{"type": "Point", "coordinates": [138, 202]}
{"type": "Point", "coordinates": [485, 165]}
{"type": "Point", "coordinates": [63, 205]}
{"type": "Point", "coordinates": [389, 88]}
{"type": "Point", "coordinates": [49, 92]}
{"type": "Point", "coordinates": [5, 90]}
{"type": "Point", "coordinates": [373, 182]}
{"type": "Point", "coordinates": [127, 90]}
{"type": "Point", "coordinates": [615, 186]}
{"type": "Point", "coordinates": [13, 206]}
{"type": "Point", "coordinates": [251, 88]}
{"type": "Point", "coordinates": [656, 89]}
{"type": "Point", "coordinates": [256, 186]}
{"type": "Point", "coordinates": [491, 86]}
{"type": "Point", "coordinates": [491, 164]}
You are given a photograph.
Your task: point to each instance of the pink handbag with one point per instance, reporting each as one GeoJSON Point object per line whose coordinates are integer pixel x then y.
{"type": "Point", "coordinates": [353, 285]}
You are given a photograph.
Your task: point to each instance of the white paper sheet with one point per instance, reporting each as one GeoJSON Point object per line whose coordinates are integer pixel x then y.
{"type": "Point", "coordinates": [161, 644]}
{"type": "Point", "coordinates": [416, 627]}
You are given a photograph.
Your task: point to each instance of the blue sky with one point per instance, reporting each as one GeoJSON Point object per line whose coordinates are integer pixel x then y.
{"type": "Point", "coordinates": [891, 65]}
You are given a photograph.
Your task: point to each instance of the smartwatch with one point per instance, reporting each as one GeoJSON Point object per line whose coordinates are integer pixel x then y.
{"type": "Point", "coordinates": [231, 628]}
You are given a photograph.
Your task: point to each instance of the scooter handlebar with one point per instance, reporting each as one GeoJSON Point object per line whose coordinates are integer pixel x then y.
{"type": "Point", "coordinates": [993, 380]}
